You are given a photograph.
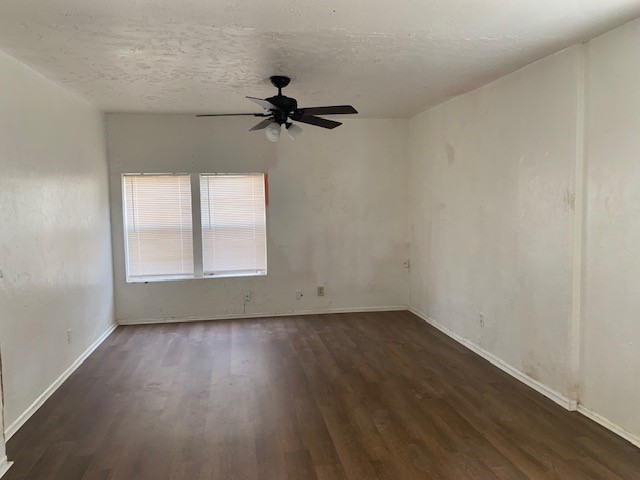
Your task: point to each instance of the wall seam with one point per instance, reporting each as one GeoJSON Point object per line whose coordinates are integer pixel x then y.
{"type": "Point", "coordinates": [575, 331]}
{"type": "Point", "coordinates": [408, 198]}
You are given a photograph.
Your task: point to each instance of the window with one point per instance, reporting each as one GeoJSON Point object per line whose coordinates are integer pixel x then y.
{"type": "Point", "coordinates": [234, 240]}
{"type": "Point", "coordinates": [158, 226]}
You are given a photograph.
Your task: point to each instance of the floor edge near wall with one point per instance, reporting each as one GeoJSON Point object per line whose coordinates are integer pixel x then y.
{"type": "Point", "coordinates": [548, 392]}
{"type": "Point", "coordinates": [33, 408]}
{"type": "Point", "coordinates": [4, 466]}
{"type": "Point", "coordinates": [515, 373]}
{"type": "Point", "coordinates": [558, 398]}
{"type": "Point", "coordinates": [146, 321]}
{"type": "Point", "coordinates": [609, 425]}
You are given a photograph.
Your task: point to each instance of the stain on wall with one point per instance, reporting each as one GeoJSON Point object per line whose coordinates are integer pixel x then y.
{"type": "Point", "coordinates": [490, 218]}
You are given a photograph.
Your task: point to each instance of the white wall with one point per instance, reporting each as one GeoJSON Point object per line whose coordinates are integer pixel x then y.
{"type": "Point", "coordinates": [491, 216]}
{"type": "Point", "coordinates": [525, 207]}
{"type": "Point", "coordinates": [611, 344]}
{"type": "Point", "coordinates": [55, 250]}
{"type": "Point", "coordinates": [336, 215]}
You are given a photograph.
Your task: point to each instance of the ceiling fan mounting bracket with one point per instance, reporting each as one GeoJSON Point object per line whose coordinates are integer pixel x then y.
{"type": "Point", "coordinates": [279, 81]}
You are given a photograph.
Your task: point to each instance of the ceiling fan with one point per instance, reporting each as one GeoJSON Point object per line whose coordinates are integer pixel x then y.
{"type": "Point", "coordinates": [282, 110]}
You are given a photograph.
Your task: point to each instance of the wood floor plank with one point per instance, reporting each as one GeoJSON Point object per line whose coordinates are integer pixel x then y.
{"type": "Point", "coordinates": [358, 396]}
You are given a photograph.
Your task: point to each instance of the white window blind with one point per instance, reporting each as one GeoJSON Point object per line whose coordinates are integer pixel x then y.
{"type": "Point", "coordinates": [158, 227]}
{"type": "Point", "coordinates": [233, 224]}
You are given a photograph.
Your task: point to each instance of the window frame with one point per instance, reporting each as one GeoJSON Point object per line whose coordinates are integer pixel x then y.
{"type": "Point", "coordinates": [266, 230]}
{"type": "Point", "coordinates": [197, 232]}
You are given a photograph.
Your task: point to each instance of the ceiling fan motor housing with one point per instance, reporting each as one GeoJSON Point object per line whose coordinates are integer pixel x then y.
{"type": "Point", "coordinates": [286, 106]}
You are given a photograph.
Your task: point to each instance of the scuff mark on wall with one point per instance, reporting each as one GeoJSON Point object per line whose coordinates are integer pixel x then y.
{"type": "Point", "coordinates": [569, 199]}
{"type": "Point", "coordinates": [531, 370]}
{"type": "Point", "coordinates": [451, 153]}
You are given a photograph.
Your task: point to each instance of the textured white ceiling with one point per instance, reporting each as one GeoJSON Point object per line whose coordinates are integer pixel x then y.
{"type": "Point", "coordinates": [387, 58]}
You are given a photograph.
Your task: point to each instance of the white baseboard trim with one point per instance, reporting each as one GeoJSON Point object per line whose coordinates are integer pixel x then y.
{"type": "Point", "coordinates": [590, 414]}
{"type": "Point", "coordinates": [232, 316]}
{"type": "Point", "coordinates": [501, 364]}
{"type": "Point", "coordinates": [4, 466]}
{"type": "Point", "coordinates": [26, 415]}
{"type": "Point", "coordinates": [558, 398]}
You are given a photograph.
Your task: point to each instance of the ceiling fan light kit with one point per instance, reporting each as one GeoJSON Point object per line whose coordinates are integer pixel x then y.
{"type": "Point", "coordinates": [293, 130]}
{"type": "Point", "coordinates": [273, 131]}
{"type": "Point", "coordinates": [282, 110]}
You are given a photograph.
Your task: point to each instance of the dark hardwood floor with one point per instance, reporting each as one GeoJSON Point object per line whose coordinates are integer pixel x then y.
{"type": "Point", "coordinates": [352, 396]}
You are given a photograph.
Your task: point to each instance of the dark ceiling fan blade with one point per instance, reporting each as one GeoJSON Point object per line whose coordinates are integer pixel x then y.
{"type": "Point", "coordinates": [334, 110]}
{"type": "Point", "coordinates": [232, 114]}
{"type": "Point", "coordinates": [262, 124]}
{"type": "Point", "coordinates": [318, 122]}
{"type": "Point", "coordinates": [263, 103]}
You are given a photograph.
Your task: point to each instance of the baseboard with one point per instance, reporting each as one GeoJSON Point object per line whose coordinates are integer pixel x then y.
{"type": "Point", "coordinates": [501, 364]}
{"type": "Point", "coordinates": [590, 414]}
{"type": "Point", "coordinates": [4, 466]}
{"type": "Point", "coordinates": [26, 415]}
{"type": "Point", "coordinates": [147, 321]}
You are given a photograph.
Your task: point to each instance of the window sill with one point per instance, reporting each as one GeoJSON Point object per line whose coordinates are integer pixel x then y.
{"type": "Point", "coordinates": [181, 278]}
{"type": "Point", "coordinates": [234, 274]}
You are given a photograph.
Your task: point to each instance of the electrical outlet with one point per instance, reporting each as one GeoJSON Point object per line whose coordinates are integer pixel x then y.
{"type": "Point", "coordinates": [321, 291]}
{"type": "Point", "coordinates": [481, 319]}
{"type": "Point", "coordinates": [247, 296]}
{"type": "Point", "coordinates": [69, 336]}
{"type": "Point", "coordinates": [299, 295]}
